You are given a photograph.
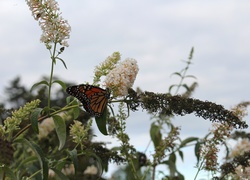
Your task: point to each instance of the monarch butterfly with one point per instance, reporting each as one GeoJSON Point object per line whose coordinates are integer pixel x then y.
{"type": "Point", "coordinates": [93, 98]}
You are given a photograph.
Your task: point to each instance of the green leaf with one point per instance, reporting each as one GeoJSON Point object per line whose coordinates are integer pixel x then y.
{"type": "Point", "coordinates": [76, 110]}
{"type": "Point", "coordinates": [155, 134]}
{"type": "Point", "coordinates": [62, 84]}
{"type": "Point", "coordinates": [185, 86]}
{"type": "Point", "coordinates": [181, 155]}
{"type": "Point", "coordinates": [191, 53]}
{"type": "Point", "coordinates": [39, 83]}
{"type": "Point", "coordinates": [27, 160]}
{"type": "Point", "coordinates": [180, 176]}
{"type": "Point", "coordinates": [62, 62]}
{"type": "Point", "coordinates": [171, 87]}
{"type": "Point", "coordinates": [188, 140]}
{"type": "Point", "coordinates": [190, 76]}
{"type": "Point", "coordinates": [46, 110]}
{"type": "Point", "coordinates": [34, 119]}
{"type": "Point", "coordinates": [60, 174]}
{"type": "Point", "coordinates": [172, 165]}
{"type": "Point", "coordinates": [197, 150]}
{"type": "Point", "coordinates": [8, 172]}
{"type": "Point", "coordinates": [68, 99]}
{"type": "Point", "coordinates": [73, 156]}
{"type": "Point", "coordinates": [101, 122]}
{"type": "Point", "coordinates": [40, 155]}
{"type": "Point", "coordinates": [176, 73]}
{"type": "Point", "coordinates": [60, 130]}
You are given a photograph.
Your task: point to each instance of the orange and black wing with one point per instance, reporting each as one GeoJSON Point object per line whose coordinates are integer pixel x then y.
{"type": "Point", "coordinates": [93, 98]}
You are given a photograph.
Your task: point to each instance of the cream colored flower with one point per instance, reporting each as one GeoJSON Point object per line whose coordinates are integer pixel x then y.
{"type": "Point", "coordinates": [91, 170]}
{"type": "Point", "coordinates": [68, 170]}
{"type": "Point", "coordinates": [55, 28]}
{"type": "Point", "coordinates": [243, 172]}
{"type": "Point", "coordinates": [122, 77]}
{"type": "Point", "coordinates": [240, 148]}
{"type": "Point", "coordinates": [45, 127]}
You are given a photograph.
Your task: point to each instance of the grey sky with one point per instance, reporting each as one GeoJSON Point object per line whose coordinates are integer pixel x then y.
{"type": "Point", "coordinates": [157, 33]}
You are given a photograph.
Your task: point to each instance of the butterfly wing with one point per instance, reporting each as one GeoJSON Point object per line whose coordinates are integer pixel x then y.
{"type": "Point", "coordinates": [93, 98]}
{"type": "Point", "coordinates": [76, 92]}
{"type": "Point", "coordinates": [98, 100]}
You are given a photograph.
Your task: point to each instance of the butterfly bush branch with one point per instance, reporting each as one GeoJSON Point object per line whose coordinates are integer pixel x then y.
{"type": "Point", "coordinates": [177, 105]}
{"type": "Point", "coordinates": [55, 30]}
{"type": "Point", "coordinates": [127, 150]}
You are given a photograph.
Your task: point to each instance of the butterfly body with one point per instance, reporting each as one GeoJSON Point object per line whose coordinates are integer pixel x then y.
{"type": "Point", "coordinates": [93, 98]}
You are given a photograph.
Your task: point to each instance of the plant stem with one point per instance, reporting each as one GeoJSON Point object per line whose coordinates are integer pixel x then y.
{"type": "Point", "coordinates": [42, 118]}
{"type": "Point", "coordinates": [185, 70]}
{"type": "Point", "coordinates": [51, 73]}
{"type": "Point", "coordinates": [199, 169]}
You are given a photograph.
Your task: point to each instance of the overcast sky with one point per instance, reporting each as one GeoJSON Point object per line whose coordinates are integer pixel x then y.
{"type": "Point", "coordinates": [157, 33]}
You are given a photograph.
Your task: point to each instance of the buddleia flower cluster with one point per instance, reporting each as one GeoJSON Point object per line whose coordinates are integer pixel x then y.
{"type": "Point", "coordinates": [55, 28]}
{"type": "Point", "coordinates": [79, 132]}
{"type": "Point", "coordinates": [122, 77]}
{"type": "Point", "coordinates": [12, 123]}
{"type": "Point", "coordinates": [106, 66]}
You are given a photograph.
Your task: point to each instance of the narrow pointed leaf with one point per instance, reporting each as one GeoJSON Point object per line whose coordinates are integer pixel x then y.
{"type": "Point", "coordinates": [155, 134]}
{"type": "Point", "coordinates": [8, 172]}
{"type": "Point", "coordinates": [181, 155]}
{"type": "Point", "coordinates": [39, 83]}
{"type": "Point", "coordinates": [188, 140]}
{"type": "Point", "coordinates": [190, 76]}
{"type": "Point", "coordinates": [176, 73]}
{"type": "Point", "coordinates": [34, 119]}
{"type": "Point", "coordinates": [76, 110]}
{"type": "Point", "coordinates": [197, 150]}
{"type": "Point", "coordinates": [62, 84]}
{"type": "Point", "coordinates": [185, 86]}
{"type": "Point", "coordinates": [73, 156]}
{"type": "Point", "coordinates": [60, 130]}
{"type": "Point", "coordinates": [101, 122]}
{"type": "Point", "coordinates": [40, 155]}
{"type": "Point", "coordinates": [62, 62]}
{"type": "Point", "coordinates": [171, 87]}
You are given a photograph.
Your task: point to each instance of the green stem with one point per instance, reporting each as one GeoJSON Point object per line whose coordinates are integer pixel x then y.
{"type": "Point", "coordinates": [199, 169]}
{"type": "Point", "coordinates": [185, 70]}
{"type": "Point", "coordinates": [53, 58]}
{"type": "Point", "coordinates": [44, 117]}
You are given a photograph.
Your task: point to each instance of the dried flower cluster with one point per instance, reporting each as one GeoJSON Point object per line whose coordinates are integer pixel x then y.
{"type": "Point", "coordinates": [178, 105]}
{"type": "Point", "coordinates": [210, 148]}
{"type": "Point", "coordinates": [240, 160]}
{"type": "Point", "coordinates": [122, 77]}
{"type": "Point", "coordinates": [167, 144]}
{"type": "Point", "coordinates": [238, 168]}
{"type": "Point", "coordinates": [55, 28]}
